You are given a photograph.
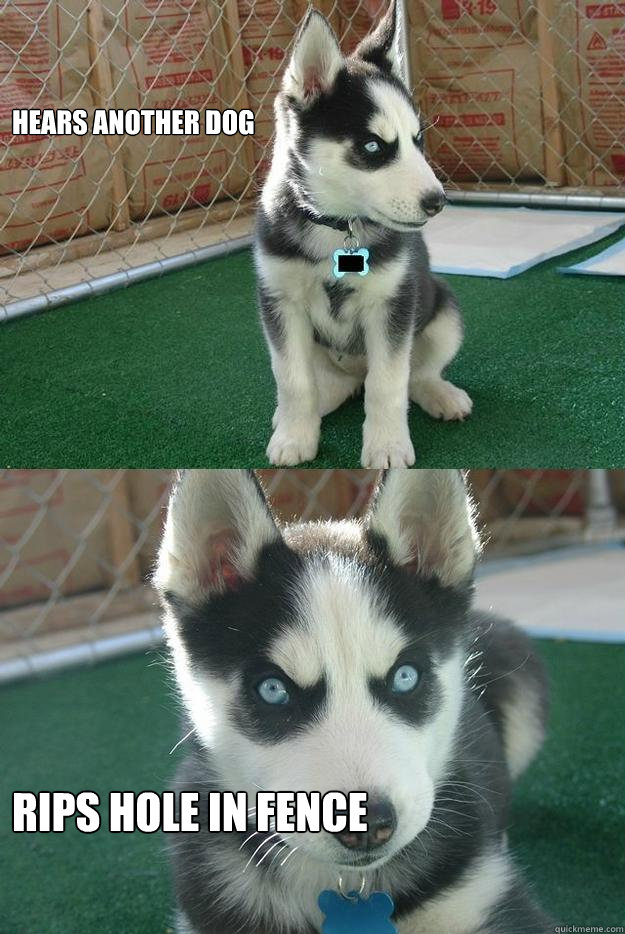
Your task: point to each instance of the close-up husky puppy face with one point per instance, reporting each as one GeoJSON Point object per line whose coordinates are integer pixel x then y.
{"type": "Point", "coordinates": [352, 133]}
{"type": "Point", "coordinates": [324, 656]}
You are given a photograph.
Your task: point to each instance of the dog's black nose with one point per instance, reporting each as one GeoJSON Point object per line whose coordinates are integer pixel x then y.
{"type": "Point", "coordinates": [381, 821]}
{"type": "Point", "coordinates": [433, 202]}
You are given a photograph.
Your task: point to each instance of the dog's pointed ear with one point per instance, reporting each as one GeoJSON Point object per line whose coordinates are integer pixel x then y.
{"type": "Point", "coordinates": [217, 523]}
{"type": "Point", "coordinates": [315, 61]}
{"type": "Point", "coordinates": [381, 47]}
{"type": "Point", "coordinates": [426, 520]}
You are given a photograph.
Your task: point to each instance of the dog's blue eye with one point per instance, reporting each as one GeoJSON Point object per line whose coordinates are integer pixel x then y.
{"type": "Point", "coordinates": [273, 691]}
{"type": "Point", "coordinates": [405, 679]}
{"type": "Point", "coordinates": [372, 146]}
{"type": "Point", "coordinates": [418, 139]}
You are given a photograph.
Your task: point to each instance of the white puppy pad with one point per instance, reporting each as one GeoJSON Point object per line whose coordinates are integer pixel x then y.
{"type": "Point", "coordinates": [610, 262]}
{"type": "Point", "coordinates": [502, 242]}
{"type": "Point", "coordinates": [575, 593]}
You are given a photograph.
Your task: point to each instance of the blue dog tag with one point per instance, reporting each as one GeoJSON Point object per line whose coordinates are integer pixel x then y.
{"type": "Point", "coordinates": [351, 261]}
{"type": "Point", "coordinates": [353, 914]}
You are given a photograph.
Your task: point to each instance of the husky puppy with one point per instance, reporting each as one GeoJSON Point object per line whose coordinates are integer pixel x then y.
{"type": "Point", "coordinates": [349, 148]}
{"type": "Point", "coordinates": [346, 656]}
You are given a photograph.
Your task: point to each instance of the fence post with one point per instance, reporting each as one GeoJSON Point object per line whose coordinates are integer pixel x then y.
{"type": "Point", "coordinates": [600, 511]}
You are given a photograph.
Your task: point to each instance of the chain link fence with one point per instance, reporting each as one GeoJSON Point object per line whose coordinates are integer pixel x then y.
{"type": "Point", "coordinates": [523, 100]}
{"type": "Point", "coordinates": [77, 546]}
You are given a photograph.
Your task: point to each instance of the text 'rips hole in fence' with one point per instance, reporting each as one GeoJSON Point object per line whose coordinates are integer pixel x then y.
{"type": "Point", "coordinates": [227, 812]}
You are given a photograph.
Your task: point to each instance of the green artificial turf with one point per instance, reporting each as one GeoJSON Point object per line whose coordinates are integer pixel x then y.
{"type": "Point", "coordinates": [174, 372]}
{"type": "Point", "coordinates": [112, 727]}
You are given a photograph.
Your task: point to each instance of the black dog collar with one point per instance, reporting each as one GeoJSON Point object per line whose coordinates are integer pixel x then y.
{"type": "Point", "coordinates": [336, 223]}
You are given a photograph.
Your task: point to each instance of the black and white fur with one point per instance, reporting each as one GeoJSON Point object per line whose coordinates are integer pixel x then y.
{"type": "Point", "coordinates": [395, 329]}
{"type": "Point", "coordinates": [332, 609]}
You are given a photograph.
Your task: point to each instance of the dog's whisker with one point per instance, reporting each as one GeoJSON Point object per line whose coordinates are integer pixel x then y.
{"type": "Point", "coordinates": [278, 853]}
{"type": "Point", "coordinates": [428, 123]}
{"type": "Point", "coordinates": [456, 830]}
{"type": "Point", "coordinates": [506, 674]}
{"type": "Point", "coordinates": [258, 849]}
{"type": "Point", "coordinates": [289, 855]}
{"type": "Point", "coordinates": [446, 810]}
{"type": "Point", "coordinates": [180, 742]}
{"type": "Point", "coordinates": [475, 789]}
{"type": "Point", "coordinates": [271, 848]}
{"type": "Point", "coordinates": [247, 839]}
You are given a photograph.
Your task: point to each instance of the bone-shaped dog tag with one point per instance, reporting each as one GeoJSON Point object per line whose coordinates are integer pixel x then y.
{"type": "Point", "coordinates": [353, 914]}
{"type": "Point", "coordinates": [351, 261]}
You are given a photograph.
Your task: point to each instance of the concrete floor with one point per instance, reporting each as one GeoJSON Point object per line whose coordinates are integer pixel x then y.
{"type": "Point", "coordinates": [576, 593]}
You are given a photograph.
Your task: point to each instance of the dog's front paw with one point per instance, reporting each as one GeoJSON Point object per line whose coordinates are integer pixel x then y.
{"type": "Point", "coordinates": [380, 449]}
{"type": "Point", "coordinates": [292, 443]}
{"type": "Point", "coordinates": [441, 399]}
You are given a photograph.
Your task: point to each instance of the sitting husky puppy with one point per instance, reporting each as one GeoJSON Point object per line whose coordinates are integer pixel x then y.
{"type": "Point", "coordinates": [346, 656]}
{"type": "Point", "coordinates": [348, 160]}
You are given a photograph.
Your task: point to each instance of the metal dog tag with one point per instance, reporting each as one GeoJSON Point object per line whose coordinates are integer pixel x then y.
{"type": "Point", "coordinates": [353, 257]}
{"type": "Point", "coordinates": [353, 914]}
{"type": "Point", "coordinates": [351, 261]}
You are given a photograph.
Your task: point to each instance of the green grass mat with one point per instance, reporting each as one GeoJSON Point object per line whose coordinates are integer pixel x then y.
{"type": "Point", "coordinates": [174, 372]}
{"type": "Point", "coordinates": [112, 727]}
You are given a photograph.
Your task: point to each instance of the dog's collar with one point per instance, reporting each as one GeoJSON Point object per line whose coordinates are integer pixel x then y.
{"type": "Point", "coordinates": [336, 223]}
